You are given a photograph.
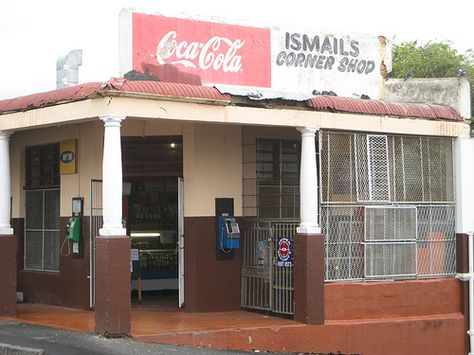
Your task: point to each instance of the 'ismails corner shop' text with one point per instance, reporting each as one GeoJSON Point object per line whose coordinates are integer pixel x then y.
{"type": "Point", "coordinates": [318, 52]}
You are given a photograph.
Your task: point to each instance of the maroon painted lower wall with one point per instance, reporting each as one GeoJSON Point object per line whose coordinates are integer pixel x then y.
{"type": "Point", "coordinates": [210, 284]}
{"type": "Point", "coordinates": [8, 261]}
{"type": "Point", "coordinates": [68, 287]}
{"type": "Point", "coordinates": [391, 299]}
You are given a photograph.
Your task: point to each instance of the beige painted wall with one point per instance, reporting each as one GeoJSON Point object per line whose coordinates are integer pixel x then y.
{"type": "Point", "coordinates": [89, 136]}
{"type": "Point", "coordinates": [212, 161]}
{"type": "Point", "coordinates": [212, 167]}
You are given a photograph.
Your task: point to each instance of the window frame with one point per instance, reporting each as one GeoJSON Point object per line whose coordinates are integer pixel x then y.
{"type": "Point", "coordinates": [48, 182]}
{"type": "Point", "coordinates": [43, 230]}
{"type": "Point", "coordinates": [55, 174]}
{"type": "Point", "coordinates": [279, 178]}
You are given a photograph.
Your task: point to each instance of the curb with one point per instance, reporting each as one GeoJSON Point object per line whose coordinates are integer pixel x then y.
{"type": "Point", "coordinates": [8, 349]}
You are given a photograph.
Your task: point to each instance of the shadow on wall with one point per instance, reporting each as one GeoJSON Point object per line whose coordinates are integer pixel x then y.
{"type": "Point", "coordinates": [165, 73]}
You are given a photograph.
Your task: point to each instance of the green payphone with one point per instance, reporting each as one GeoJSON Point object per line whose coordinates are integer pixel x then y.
{"type": "Point", "coordinates": [74, 228]}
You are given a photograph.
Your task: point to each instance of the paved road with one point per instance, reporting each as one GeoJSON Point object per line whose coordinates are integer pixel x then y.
{"type": "Point", "coordinates": [63, 342]}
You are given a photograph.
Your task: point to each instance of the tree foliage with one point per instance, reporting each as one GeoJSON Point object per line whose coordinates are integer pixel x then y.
{"type": "Point", "coordinates": [432, 60]}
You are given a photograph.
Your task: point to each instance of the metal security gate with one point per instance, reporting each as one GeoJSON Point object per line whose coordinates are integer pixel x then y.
{"type": "Point", "coordinates": [267, 282]}
{"type": "Point", "coordinates": [96, 221]}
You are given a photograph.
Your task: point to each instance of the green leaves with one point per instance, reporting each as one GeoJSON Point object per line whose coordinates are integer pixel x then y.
{"type": "Point", "coordinates": [432, 60]}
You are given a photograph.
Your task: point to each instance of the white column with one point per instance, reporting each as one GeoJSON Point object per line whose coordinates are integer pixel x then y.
{"type": "Point", "coordinates": [308, 183]}
{"type": "Point", "coordinates": [5, 185]}
{"type": "Point", "coordinates": [464, 165]}
{"type": "Point", "coordinates": [112, 178]}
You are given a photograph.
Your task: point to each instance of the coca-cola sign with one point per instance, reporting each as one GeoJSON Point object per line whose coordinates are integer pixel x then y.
{"type": "Point", "coordinates": [215, 52]}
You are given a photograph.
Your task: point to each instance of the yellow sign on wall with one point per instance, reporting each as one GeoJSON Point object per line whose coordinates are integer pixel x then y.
{"type": "Point", "coordinates": [68, 157]}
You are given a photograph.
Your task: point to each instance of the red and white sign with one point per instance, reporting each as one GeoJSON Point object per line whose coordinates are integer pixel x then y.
{"type": "Point", "coordinates": [284, 252]}
{"type": "Point", "coordinates": [285, 59]}
{"type": "Point", "coordinates": [215, 52]}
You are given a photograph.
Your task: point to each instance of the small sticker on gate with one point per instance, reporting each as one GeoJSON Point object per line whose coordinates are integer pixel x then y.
{"type": "Point", "coordinates": [284, 253]}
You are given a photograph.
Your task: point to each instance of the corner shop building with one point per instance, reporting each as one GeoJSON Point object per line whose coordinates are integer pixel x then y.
{"type": "Point", "coordinates": [139, 137]}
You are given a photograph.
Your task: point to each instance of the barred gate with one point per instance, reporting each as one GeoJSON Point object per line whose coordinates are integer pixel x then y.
{"type": "Point", "coordinates": [266, 285]}
{"type": "Point", "coordinates": [96, 221]}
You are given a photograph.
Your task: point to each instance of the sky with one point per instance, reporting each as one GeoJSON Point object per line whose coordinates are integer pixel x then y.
{"type": "Point", "coordinates": [33, 34]}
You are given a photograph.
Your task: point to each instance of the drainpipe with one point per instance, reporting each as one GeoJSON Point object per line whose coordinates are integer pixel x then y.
{"type": "Point", "coordinates": [470, 277]}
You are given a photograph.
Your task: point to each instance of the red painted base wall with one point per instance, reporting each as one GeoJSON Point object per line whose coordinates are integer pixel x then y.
{"type": "Point", "coordinates": [370, 300]}
{"type": "Point", "coordinates": [210, 284]}
{"type": "Point", "coordinates": [68, 287]}
{"type": "Point", "coordinates": [390, 318]}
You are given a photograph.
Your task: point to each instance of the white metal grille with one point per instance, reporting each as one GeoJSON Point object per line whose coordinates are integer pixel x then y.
{"type": "Point", "coordinates": [390, 223]}
{"type": "Point", "coordinates": [390, 241]}
{"type": "Point", "coordinates": [377, 156]}
{"type": "Point", "coordinates": [343, 228]}
{"type": "Point", "coordinates": [390, 260]}
{"type": "Point", "coordinates": [387, 205]}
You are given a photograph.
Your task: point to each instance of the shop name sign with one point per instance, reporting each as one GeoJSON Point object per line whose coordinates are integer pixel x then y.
{"type": "Point", "coordinates": [323, 53]}
{"type": "Point", "coordinates": [283, 59]}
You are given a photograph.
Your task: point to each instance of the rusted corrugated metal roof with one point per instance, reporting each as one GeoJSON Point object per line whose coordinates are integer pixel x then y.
{"type": "Point", "coordinates": [164, 89]}
{"type": "Point", "coordinates": [115, 85]}
{"type": "Point", "coordinates": [375, 107]}
{"type": "Point", "coordinates": [119, 86]}
{"type": "Point", "coordinates": [73, 93]}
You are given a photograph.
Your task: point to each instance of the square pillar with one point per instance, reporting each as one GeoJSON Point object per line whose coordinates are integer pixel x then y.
{"type": "Point", "coordinates": [112, 281]}
{"type": "Point", "coordinates": [112, 285]}
{"type": "Point", "coordinates": [8, 245]}
{"type": "Point", "coordinates": [308, 278]}
{"type": "Point", "coordinates": [309, 242]}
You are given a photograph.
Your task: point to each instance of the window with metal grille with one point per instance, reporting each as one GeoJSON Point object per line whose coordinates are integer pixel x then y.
{"type": "Point", "coordinates": [390, 241]}
{"type": "Point", "coordinates": [42, 166]}
{"type": "Point", "coordinates": [359, 173]}
{"type": "Point", "coordinates": [42, 230]}
{"type": "Point", "coordinates": [42, 223]}
{"type": "Point", "coordinates": [278, 165]}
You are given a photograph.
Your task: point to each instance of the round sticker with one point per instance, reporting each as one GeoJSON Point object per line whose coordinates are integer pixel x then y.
{"type": "Point", "coordinates": [67, 156]}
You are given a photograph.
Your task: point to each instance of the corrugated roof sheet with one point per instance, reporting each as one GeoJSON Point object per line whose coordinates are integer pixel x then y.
{"type": "Point", "coordinates": [165, 89]}
{"type": "Point", "coordinates": [29, 102]}
{"type": "Point", "coordinates": [85, 91]}
{"type": "Point", "coordinates": [376, 107]}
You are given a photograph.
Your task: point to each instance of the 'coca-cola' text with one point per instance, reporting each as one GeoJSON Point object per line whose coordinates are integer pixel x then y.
{"type": "Point", "coordinates": [218, 53]}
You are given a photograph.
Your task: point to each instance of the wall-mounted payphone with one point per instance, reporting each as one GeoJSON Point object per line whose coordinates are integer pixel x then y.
{"type": "Point", "coordinates": [229, 232]}
{"type": "Point", "coordinates": [74, 229]}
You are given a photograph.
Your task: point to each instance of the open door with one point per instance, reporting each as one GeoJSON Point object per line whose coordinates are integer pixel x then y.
{"type": "Point", "coordinates": [180, 242]}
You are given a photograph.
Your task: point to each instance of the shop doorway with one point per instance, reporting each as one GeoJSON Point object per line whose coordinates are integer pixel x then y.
{"type": "Point", "coordinates": [153, 216]}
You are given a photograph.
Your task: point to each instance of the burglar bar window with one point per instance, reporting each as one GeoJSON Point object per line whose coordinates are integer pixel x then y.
{"type": "Point", "coordinates": [278, 163]}
{"type": "Point", "coordinates": [42, 166]}
{"type": "Point", "coordinates": [42, 223]}
{"type": "Point", "coordinates": [388, 206]}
